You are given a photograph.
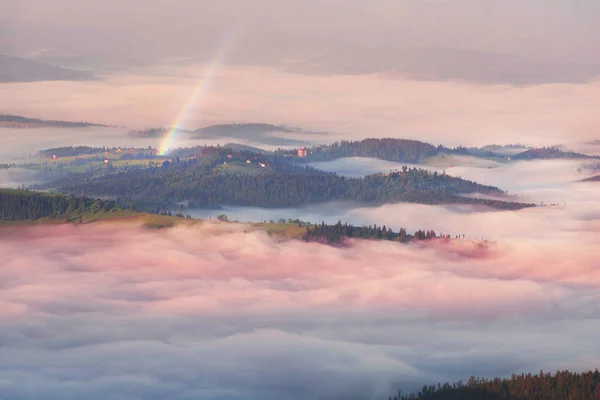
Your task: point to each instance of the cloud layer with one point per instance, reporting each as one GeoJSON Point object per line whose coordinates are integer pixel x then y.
{"type": "Point", "coordinates": [114, 310]}
{"type": "Point", "coordinates": [352, 107]}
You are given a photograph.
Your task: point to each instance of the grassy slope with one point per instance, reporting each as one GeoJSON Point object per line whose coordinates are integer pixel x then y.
{"type": "Point", "coordinates": [65, 163]}
{"type": "Point", "coordinates": [154, 221]}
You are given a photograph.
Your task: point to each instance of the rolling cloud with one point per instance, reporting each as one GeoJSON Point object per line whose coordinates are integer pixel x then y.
{"type": "Point", "coordinates": [115, 310]}
{"type": "Point", "coordinates": [351, 107]}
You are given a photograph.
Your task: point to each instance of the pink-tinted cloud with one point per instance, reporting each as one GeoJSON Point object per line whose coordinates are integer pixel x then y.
{"type": "Point", "coordinates": [349, 106]}
{"type": "Point", "coordinates": [213, 312]}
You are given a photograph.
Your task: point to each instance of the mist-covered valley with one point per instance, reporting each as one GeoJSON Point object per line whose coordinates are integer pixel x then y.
{"type": "Point", "coordinates": [172, 177]}
{"type": "Point", "coordinates": [218, 310]}
{"type": "Point", "coordinates": [211, 311]}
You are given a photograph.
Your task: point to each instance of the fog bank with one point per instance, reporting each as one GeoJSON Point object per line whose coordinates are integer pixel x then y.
{"type": "Point", "coordinates": [212, 312]}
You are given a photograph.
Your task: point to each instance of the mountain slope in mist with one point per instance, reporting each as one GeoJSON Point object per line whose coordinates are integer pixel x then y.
{"type": "Point", "coordinates": [26, 122]}
{"type": "Point", "coordinates": [447, 64]}
{"type": "Point", "coordinates": [13, 69]}
{"type": "Point", "coordinates": [595, 178]}
{"type": "Point", "coordinates": [548, 153]}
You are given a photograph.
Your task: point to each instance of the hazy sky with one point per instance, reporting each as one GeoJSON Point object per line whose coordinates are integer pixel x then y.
{"type": "Point", "coordinates": [447, 71]}
{"type": "Point", "coordinates": [336, 34]}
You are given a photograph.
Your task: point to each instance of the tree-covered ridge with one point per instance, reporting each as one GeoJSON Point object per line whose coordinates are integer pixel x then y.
{"type": "Point", "coordinates": [337, 233]}
{"type": "Point", "coordinates": [563, 385]}
{"type": "Point", "coordinates": [205, 179]}
{"type": "Point", "coordinates": [240, 129]}
{"type": "Point", "coordinates": [548, 153]}
{"type": "Point", "coordinates": [399, 150]}
{"type": "Point", "coordinates": [20, 205]}
{"type": "Point", "coordinates": [123, 152]}
{"type": "Point", "coordinates": [154, 132]}
{"type": "Point", "coordinates": [36, 121]}
{"type": "Point", "coordinates": [70, 151]}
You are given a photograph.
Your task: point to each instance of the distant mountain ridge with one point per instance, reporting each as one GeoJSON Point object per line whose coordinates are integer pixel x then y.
{"type": "Point", "coordinates": [548, 153]}
{"type": "Point", "coordinates": [595, 178]}
{"type": "Point", "coordinates": [13, 69]}
{"type": "Point", "coordinates": [389, 149]}
{"type": "Point", "coordinates": [262, 133]}
{"type": "Point", "coordinates": [247, 128]}
{"type": "Point", "coordinates": [19, 121]}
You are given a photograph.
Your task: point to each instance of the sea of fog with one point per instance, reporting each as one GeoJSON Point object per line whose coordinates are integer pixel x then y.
{"type": "Point", "coordinates": [217, 312]}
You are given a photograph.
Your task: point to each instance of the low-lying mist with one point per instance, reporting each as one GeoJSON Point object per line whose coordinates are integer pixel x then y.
{"type": "Point", "coordinates": [350, 107]}
{"type": "Point", "coordinates": [212, 312]}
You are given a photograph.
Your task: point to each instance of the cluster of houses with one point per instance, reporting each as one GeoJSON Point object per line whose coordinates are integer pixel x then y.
{"type": "Point", "coordinates": [248, 161]}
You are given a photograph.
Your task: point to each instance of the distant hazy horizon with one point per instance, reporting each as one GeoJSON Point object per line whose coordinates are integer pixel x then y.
{"type": "Point", "coordinates": [452, 72]}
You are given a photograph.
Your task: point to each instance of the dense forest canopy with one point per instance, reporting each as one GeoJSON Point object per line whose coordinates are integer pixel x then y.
{"type": "Point", "coordinates": [399, 150]}
{"type": "Point", "coordinates": [414, 151]}
{"type": "Point", "coordinates": [548, 153]}
{"type": "Point", "coordinates": [333, 234]}
{"type": "Point", "coordinates": [19, 205]}
{"type": "Point", "coordinates": [563, 385]}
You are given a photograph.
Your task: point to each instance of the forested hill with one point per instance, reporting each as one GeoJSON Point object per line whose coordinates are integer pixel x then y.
{"type": "Point", "coordinates": [548, 153]}
{"type": "Point", "coordinates": [20, 205]}
{"type": "Point", "coordinates": [203, 180]}
{"type": "Point", "coordinates": [399, 150]}
{"type": "Point", "coordinates": [70, 151]}
{"type": "Point", "coordinates": [563, 385]}
{"type": "Point", "coordinates": [240, 129]}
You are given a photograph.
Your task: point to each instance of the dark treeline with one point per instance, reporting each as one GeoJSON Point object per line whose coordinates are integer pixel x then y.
{"type": "Point", "coordinates": [489, 151]}
{"type": "Point", "coordinates": [399, 150]}
{"type": "Point", "coordinates": [548, 153]}
{"type": "Point", "coordinates": [148, 133]}
{"type": "Point", "coordinates": [18, 205]}
{"type": "Point", "coordinates": [563, 385]}
{"type": "Point", "coordinates": [592, 179]}
{"type": "Point", "coordinates": [200, 181]}
{"type": "Point", "coordinates": [338, 232]}
{"type": "Point", "coordinates": [66, 124]}
{"type": "Point", "coordinates": [240, 129]}
{"type": "Point", "coordinates": [70, 151]}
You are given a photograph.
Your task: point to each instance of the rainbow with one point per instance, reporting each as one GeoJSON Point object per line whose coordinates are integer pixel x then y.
{"type": "Point", "coordinates": [201, 88]}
